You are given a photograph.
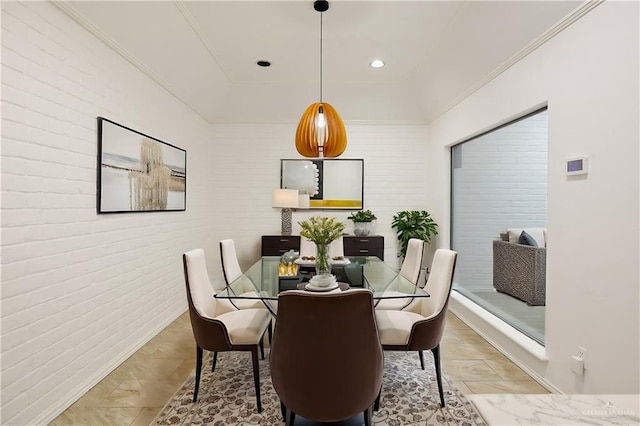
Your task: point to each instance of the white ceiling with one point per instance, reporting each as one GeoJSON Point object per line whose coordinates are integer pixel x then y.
{"type": "Point", "coordinates": [437, 52]}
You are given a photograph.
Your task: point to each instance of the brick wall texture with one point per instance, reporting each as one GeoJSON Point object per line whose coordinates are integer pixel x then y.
{"type": "Point", "coordinates": [81, 291]}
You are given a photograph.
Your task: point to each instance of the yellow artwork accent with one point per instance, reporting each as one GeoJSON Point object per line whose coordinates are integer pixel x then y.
{"type": "Point", "coordinates": [356, 204]}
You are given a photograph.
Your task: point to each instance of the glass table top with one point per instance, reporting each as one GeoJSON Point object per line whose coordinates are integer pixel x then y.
{"type": "Point", "coordinates": [266, 278]}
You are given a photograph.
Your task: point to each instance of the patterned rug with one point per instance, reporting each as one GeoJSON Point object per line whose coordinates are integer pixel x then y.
{"type": "Point", "coordinates": [227, 397]}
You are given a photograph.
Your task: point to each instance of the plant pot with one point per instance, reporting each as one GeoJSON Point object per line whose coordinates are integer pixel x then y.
{"type": "Point", "coordinates": [362, 228]}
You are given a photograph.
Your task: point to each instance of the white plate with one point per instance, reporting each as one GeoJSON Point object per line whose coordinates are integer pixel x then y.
{"type": "Point", "coordinates": [317, 279]}
{"type": "Point", "coordinates": [301, 262]}
{"type": "Point", "coordinates": [313, 287]}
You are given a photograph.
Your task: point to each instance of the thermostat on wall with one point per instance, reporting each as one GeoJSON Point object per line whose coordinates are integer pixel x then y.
{"type": "Point", "coordinates": [577, 166]}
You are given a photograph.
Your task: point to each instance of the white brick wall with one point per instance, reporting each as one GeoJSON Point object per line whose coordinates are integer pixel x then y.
{"type": "Point", "coordinates": [502, 184]}
{"type": "Point", "coordinates": [81, 291]}
{"type": "Point", "coordinates": [394, 159]}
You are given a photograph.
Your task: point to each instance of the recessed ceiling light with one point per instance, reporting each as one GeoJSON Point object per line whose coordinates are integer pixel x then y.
{"type": "Point", "coordinates": [377, 64]}
{"type": "Point", "coordinates": [263, 63]}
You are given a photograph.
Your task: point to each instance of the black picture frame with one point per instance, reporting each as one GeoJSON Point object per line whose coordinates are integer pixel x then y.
{"type": "Point", "coordinates": [332, 184]}
{"type": "Point", "coordinates": [137, 172]}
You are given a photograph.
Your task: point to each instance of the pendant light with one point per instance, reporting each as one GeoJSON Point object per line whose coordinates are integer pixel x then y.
{"type": "Point", "coordinates": [321, 132]}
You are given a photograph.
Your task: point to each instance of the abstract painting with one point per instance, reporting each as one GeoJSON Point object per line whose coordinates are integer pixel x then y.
{"type": "Point", "coordinates": [137, 172]}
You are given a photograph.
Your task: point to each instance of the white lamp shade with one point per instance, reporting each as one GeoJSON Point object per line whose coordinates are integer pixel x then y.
{"type": "Point", "coordinates": [303, 201]}
{"type": "Point", "coordinates": [285, 198]}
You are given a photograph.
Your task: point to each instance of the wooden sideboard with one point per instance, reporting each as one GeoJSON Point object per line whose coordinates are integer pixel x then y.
{"type": "Point", "coordinates": [277, 245]}
{"type": "Point", "coordinates": [370, 245]}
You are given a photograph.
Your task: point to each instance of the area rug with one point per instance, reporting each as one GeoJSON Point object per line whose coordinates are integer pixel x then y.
{"type": "Point", "coordinates": [227, 397]}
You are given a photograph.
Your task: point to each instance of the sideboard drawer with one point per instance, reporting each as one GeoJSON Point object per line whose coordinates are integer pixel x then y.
{"type": "Point", "coordinates": [370, 245]}
{"type": "Point", "coordinates": [277, 245]}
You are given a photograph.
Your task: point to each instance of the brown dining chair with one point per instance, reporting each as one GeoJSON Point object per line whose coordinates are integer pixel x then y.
{"type": "Point", "coordinates": [232, 272]}
{"type": "Point", "coordinates": [217, 325]}
{"type": "Point", "coordinates": [326, 359]}
{"type": "Point", "coordinates": [421, 325]}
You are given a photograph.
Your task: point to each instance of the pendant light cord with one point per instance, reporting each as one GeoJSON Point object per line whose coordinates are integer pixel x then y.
{"type": "Point", "coordinates": [321, 13]}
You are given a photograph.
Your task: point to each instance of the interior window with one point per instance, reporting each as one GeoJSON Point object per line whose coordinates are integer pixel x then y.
{"type": "Point", "coordinates": [499, 184]}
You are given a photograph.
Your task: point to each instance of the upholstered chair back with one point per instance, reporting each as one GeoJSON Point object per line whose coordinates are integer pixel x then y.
{"type": "Point", "coordinates": [230, 266]}
{"type": "Point", "coordinates": [439, 283]}
{"type": "Point", "coordinates": [307, 248]}
{"type": "Point", "coordinates": [326, 358]}
{"type": "Point", "coordinates": [336, 249]}
{"type": "Point", "coordinates": [199, 287]}
{"type": "Point", "coordinates": [413, 260]}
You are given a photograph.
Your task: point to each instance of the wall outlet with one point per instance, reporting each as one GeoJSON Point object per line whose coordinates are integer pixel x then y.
{"type": "Point", "coordinates": [577, 361]}
{"type": "Point", "coordinates": [582, 353]}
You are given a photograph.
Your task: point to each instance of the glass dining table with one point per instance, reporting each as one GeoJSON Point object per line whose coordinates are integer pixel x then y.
{"type": "Point", "coordinates": [268, 277]}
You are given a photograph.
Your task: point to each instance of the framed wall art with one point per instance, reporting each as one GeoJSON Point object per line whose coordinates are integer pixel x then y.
{"type": "Point", "coordinates": [332, 184]}
{"type": "Point", "coordinates": [137, 172]}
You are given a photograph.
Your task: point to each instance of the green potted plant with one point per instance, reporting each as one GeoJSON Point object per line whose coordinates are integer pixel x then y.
{"type": "Point", "coordinates": [322, 231]}
{"type": "Point", "coordinates": [362, 221]}
{"type": "Point", "coordinates": [413, 224]}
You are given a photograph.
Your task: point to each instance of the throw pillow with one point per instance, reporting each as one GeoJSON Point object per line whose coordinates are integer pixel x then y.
{"type": "Point", "coordinates": [527, 239]}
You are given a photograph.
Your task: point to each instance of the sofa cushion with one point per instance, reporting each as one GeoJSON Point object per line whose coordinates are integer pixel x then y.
{"type": "Point", "coordinates": [527, 239]}
{"type": "Point", "coordinates": [538, 234]}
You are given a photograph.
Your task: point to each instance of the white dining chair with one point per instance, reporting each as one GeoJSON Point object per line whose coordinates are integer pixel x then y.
{"type": "Point", "coordinates": [307, 247]}
{"type": "Point", "coordinates": [410, 270]}
{"type": "Point", "coordinates": [420, 326]}
{"type": "Point", "coordinates": [232, 272]}
{"type": "Point", "coordinates": [336, 249]}
{"type": "Point", "coordinates": [217, 325]}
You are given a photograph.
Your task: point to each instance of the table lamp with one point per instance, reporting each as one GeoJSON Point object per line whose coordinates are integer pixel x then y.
{"type": "Point", "coordinates": [286, 199]}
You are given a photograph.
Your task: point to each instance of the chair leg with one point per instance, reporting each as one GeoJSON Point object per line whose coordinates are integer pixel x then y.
{"type": "Point", "coordinates": [436, 358]}
{"type": "Point", "coordinates": [283, 411]}
{"type": "Point", "coordinates": [261, 344]}
{"type": "Point", "coordinates": [291, 418]}
{"type": "Point", "coordinates": [376, 404]}
{"type": "Point", "coordinates": [270, 331]}
{"type": "Point", "coordinates": [215, 360]}
{"type": "Point", "coordinates": [256, 376]}
{"type": "Point", "coordinates": [367, 417]}
{"type": "Point", "coordinates": [421, 359]}
{"type": "Point", "coordinates": [198, 368]}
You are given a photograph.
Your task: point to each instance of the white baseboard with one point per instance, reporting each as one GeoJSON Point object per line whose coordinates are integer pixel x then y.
{"type": "Point", "coordinates": [526, 353]}
{"type": "Point", "coordinates": [54, 411]}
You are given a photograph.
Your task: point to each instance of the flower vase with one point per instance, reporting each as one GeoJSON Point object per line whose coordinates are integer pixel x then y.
{"type": "Point", "coordinates": [323, 262]}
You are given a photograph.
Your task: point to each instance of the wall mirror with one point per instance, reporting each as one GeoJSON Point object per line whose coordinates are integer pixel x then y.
{"type": "Point", "coordinates": [332, 184]}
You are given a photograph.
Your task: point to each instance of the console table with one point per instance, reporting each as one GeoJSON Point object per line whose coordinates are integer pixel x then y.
{"type": "Point", "coordinates": [370, 245]}
{"type": "Point", "coordinates": [277, 245]}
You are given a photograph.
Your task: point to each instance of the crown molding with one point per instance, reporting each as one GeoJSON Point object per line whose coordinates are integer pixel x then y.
{"type": "Point", "coordinates": [67, 8]}
{"type": "Point", "coordinates": [560, 26]}
{"type": "Point", "coordinates": [198, 32]}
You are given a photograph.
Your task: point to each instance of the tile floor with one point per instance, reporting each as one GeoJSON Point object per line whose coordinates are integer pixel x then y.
{"type": "Point", "coordinates": [136, 391]}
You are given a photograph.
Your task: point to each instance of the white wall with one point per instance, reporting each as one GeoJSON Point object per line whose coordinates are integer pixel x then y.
{"type": "Point", "coordinates": [589, 76]}
{"type": "Point", "coordinates": [248, 170]}
{"type": "Point", "coordinates": [499, 182]}
{"type": "Point", "coordinates": [81, 291]}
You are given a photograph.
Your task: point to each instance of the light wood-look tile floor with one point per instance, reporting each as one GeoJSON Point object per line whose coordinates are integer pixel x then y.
{"type": "Point", "coordinates": [135, 392]}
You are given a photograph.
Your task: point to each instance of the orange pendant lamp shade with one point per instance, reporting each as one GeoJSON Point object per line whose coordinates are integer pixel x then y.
{"type": "Point", "coordinates": [323, 136]}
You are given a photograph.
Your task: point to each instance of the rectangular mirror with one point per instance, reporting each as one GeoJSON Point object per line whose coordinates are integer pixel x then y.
{"type": "Point", "coordinates": [332, 184]}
